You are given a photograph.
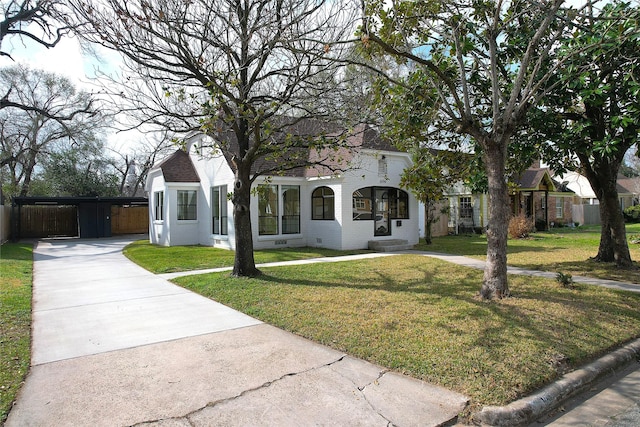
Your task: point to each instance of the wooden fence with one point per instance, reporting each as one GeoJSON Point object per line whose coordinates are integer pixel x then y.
{"type": "Point", "coordinates": [586, 214]}
{"type": "Point", "coordinates": [5, 223]}
{"type": "Point", "coordinates": [48, 221]}
{"type": "Point", "coordinates": [129, 219]}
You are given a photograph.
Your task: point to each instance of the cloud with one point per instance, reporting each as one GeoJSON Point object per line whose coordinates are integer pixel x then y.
{"type": "Point", "coordinates": [65, 58]}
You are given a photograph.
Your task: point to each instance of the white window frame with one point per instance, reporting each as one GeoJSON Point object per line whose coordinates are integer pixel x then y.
{"type": "Point", "coordinates": [559, 207]}
{"type": "Point", "coordinates": [219, 205]}
{"type": "Point", "coordinates": [280, 210]}
{"type": "Point", "coordinates": [191, 205]}
{"type": "Point", "coordinates": [158, 206]}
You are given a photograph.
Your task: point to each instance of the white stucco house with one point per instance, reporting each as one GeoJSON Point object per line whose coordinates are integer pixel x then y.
{"type": "Point", "coordinates": [304, 207]}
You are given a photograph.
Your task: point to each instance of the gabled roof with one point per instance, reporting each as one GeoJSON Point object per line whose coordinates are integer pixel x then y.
{"type": "Point", "coordinates": [532, 178]}
{"type": "Point", "coordinates": [360, 137]}
{"type": "Point", "coordinates": [628, 185]}
{"type": "Point", "coordinates": [366, 137]}
{"type": "Point", "coordinates": [580, 185]}
{"type": "Point", "coordinates": [178, 167]}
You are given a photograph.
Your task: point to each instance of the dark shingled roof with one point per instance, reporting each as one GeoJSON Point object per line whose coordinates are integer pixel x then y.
{"type": "Point", "coordinates": [360, 137]}
{"type": "Point", "coordinates": [365, 136]}
{"type": "Point", "coordinates": [628, 185]}
{"type": "Point", "coordinates": [532, 177]}
{"type": "Point", "coordinates": [178, 167]}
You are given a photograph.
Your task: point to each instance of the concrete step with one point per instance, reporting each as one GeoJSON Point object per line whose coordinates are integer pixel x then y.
{"type": "Point", "coordinates": [389, 245]}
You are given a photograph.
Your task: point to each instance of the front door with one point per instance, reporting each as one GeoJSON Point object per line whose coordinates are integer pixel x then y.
{"type": "Point", "coordinates": [382, 219]}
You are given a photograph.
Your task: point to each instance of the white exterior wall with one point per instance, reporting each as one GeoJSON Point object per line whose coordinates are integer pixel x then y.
{"type": "Point", "coordinates": [182, 232]}
{"type": "Point", "coordinates": [357, 234]}
{"type": "Point", "coordinates": [341, 233]}
{"type": "Point", "coordinates": [158, 230]}
{"type": "Point", "coordinates": [325, 233]}
{"type": "Point", "coordinates": [213, 171]}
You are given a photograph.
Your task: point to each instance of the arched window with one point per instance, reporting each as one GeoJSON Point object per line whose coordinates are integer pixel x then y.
{"type": "Point", "coordinates": [398, 203]}
{"type": "Point", "coordinates": [392, 203]}
{"type": "Point", "coordinates": [323, 203]}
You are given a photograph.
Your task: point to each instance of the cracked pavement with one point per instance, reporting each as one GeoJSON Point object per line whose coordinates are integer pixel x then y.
{"type": "Point", "coordinates": [114, 345]}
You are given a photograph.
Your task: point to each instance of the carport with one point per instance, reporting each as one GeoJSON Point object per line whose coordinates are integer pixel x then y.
{"type": "Point", "coordinates": [85, 217]}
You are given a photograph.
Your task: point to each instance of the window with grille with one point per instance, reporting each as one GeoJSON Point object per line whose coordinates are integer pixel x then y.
{"type": "Point", "coordinates": [187, 205]}
{"type": "Point", "coordinates": [323, 203]}
{"type": "Point", "coordinates": [219, 210]}
{"type": "Point", "coordinates": [158, 205]}
{"type": "Point", "coordinates": [466, 208]}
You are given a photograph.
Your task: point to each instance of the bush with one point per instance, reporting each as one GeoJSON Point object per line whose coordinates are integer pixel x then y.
{"type": "Point", "coordinates": [632, 213]}
{"type": "Point", "coordinates": [565, 279]}
{"type": "Point", "coordinates": [520, 226]}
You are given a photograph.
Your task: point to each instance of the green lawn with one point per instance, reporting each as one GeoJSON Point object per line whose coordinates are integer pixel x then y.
{"type": "Point", "coordinates": [16, 266]}
{"type": "Point", "coordinates": [559, 250]}
{"type": "Point", "coordinates": [421, 316]}
{"type": "Point", "coordinates": [163, 259]}
{"type": "Point", "coordinates": [562, 249]}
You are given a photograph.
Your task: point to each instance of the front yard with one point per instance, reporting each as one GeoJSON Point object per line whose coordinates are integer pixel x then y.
{"type": "Point", "coordinates": [410, 313]}
{"type": "Point", "coordinates": [562, 249]}
{"type": "Point", "coordinates": [16, 261]}
{"type": "Point", "coordinates": [421, 316]}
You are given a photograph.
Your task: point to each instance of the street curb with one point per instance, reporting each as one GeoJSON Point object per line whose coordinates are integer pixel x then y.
{"type": "Point", "coordinates": [528, 409]}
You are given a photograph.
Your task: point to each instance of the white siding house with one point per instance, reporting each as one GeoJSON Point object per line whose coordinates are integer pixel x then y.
{"type": "Point", "coordinates": [189, 204]}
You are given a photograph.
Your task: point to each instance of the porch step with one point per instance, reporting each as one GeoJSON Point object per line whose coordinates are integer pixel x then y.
{"type": "Point", "coordinates": [389, 245]}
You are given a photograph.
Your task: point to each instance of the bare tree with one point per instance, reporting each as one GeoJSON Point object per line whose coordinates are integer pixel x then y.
{"type": "Point", "coordinates": [44, 22]}
{"type": "Point", "coordinates": [38, 20]}
{"type": "Point", "coordinates": [29, 134]}
{"type": "Point", "coordinates": [134, 162]}
{"type": "Point", "coordinates": [245, 72]}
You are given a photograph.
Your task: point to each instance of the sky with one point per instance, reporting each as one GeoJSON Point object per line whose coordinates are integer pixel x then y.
{"type": "Point", "coordinates": [67, 59]}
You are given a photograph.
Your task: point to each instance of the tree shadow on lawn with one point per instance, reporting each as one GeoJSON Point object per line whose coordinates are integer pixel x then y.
{"type": "Point", "coordinates": [554, 328]}
{"type": "Point", "coordinates": [477, 248]}
{"type": "Point", "coordinates": [16, 251]}
{"type": "Point", "coordinates": [590, 268]}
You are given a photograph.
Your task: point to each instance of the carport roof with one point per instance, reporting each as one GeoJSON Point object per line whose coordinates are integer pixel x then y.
{"type": "Point", "coordinates": [74, 201]}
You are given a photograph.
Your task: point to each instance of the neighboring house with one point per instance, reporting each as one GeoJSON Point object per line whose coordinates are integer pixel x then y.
{"type": "Point", "coordinates": [468, 211]}
{"type": "Point", "coordinates": [579, 185]}
{"type": "Point", "coordinates": [584, 195]}
{"type": "Point", "coordinates": [534, 193]}
{"type": "Point", "coordinates": [628, 191]}
{"type": "Point", "coordinates": [303, 207]}
{"type": "Point", "coordinates": [540, 198]}
{"type": "Point", "coordinates": [585, 210]}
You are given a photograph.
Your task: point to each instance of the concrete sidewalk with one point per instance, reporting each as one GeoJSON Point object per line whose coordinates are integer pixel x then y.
{"type": "Point", "coordinates": [114, 345]}
{"type": "Point", "coordinates": [455, 259]}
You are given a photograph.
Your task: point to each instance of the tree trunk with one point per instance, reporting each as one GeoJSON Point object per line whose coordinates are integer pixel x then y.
{"type": "Point", "coordinates": [427, 222]}
{"type": "Point", "coordinates": [244, 264]}
{"type": "Point", "coordinates": [494, 282]}
{"type": "Point", "coordinates": [613, 236]}
{"type": "Point", "coordinates": [605, 249]}
{"type": "Point", "coordinates": [26, 183]}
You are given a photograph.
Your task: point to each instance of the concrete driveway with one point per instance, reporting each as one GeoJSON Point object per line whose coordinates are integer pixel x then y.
{"type": "Point", "coordinates": [114, 345]}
